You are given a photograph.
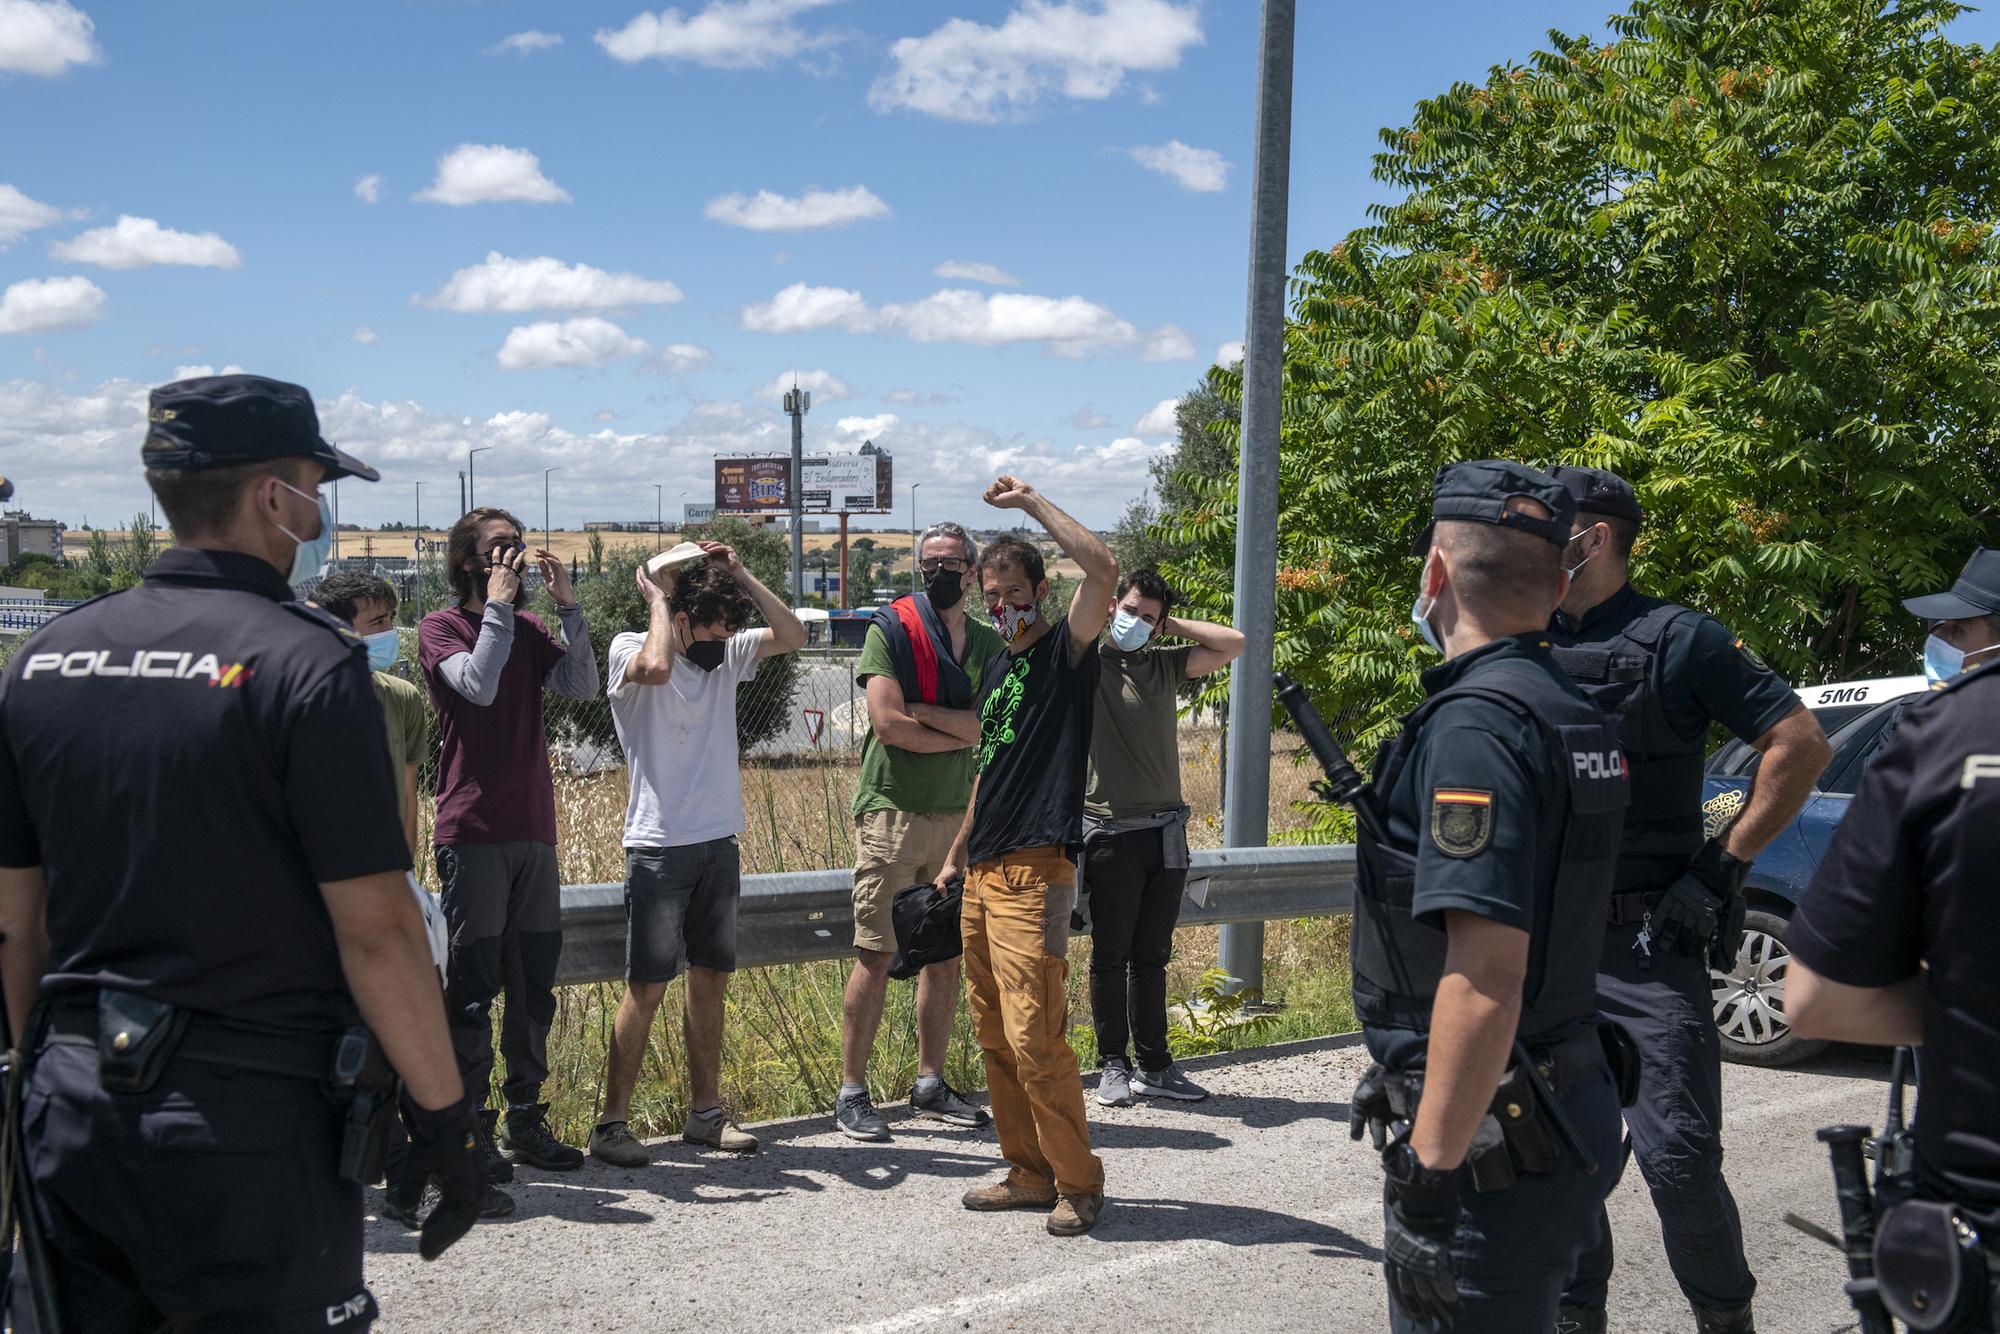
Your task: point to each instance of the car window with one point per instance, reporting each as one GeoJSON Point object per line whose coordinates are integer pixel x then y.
{"type": "Point", "coordinates": [1857, 744]}
{"type": "Point", "coordinates": [1738, 758]}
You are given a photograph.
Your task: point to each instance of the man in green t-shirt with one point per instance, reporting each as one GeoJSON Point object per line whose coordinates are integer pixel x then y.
{"type": "Point", "coordinates": [921, 664]}
{"type": "Point", "coordinates": [1135, 852]}
{"type": "Point", "coordinates": [368, 603]}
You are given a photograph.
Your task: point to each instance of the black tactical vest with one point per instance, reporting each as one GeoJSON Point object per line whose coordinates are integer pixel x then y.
{"type": "Point", "coordinates": [1620, 674]}
{"type": "Point", "coordinates": [1398, 960]}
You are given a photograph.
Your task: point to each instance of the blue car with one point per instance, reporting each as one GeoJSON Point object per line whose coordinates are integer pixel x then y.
{"type": "Point", "coordinates": [1750, 997]}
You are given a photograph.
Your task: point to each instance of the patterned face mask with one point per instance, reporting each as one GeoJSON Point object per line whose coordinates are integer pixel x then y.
{"type": "Point", "coordinates": [1014, 621]}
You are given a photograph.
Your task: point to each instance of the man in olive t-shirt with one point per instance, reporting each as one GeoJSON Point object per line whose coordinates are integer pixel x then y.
{"type": "Point", "coordinates": [917, 764]}
{"type": "Point", "coordinates": [1135, 851]}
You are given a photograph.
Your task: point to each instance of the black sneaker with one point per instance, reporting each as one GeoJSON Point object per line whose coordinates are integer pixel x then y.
{"type": "Point", "coordinates": [497, 1167]}
{"type": "Point", "coordinates": [855, 1117]}
{"type": "Point", "coordinates": [495, 1203]}
{"type": "Point", "coordinates": [410, 1213]}
{"type": "Point", "coordinates": [944, 1104]}
{"type": "Point", "coordinates": [525, 1138]}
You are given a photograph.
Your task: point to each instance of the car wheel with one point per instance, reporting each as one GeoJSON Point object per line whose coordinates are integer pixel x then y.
{"type": "Point", "coordinates": [1750, 998]}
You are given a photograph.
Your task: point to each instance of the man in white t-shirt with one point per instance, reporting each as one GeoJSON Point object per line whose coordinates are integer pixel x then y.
{"type": "Point", "coordinates": [673, 699]}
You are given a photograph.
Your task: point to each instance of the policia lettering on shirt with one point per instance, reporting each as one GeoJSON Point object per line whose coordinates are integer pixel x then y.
{"type": "Point", "coordinates": [1664, 673]}
{"type": "Point", "coordinates": [1495, 818]}
{"type": "Point", "coordinates": [196, 799]}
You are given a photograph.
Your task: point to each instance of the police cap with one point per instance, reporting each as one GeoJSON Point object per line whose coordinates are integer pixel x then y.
{"type": "Point", "coordinates": [225, 421]}
{"type": "Point", "coordinates": [1599, 492]}
{"type": "Point", "coordinates": [1478, 492]}
{"type": "Point", "coordinates": [1977, 592]}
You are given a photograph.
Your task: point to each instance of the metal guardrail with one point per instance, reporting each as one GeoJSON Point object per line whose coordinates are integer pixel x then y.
{"type": "Point", "coordinates": [805, 916]}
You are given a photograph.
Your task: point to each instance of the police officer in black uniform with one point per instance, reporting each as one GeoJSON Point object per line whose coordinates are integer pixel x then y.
{"type": "Point", "coordinates": [204, 892]}
{"type": "Point", "coordinates": [1487, 852]}
{"type": "Point", "coordinates": [1895, 939]}
{"type": "Point", "coordinates": [1664, 673]}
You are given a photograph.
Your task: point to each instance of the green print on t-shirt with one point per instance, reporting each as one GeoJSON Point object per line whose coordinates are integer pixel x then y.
{"type": "Point", "coordinates": [1002, 707]}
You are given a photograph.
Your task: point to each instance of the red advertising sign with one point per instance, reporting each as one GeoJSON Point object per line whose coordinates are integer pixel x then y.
{"type": "Point", "coordinates": [752, 486]}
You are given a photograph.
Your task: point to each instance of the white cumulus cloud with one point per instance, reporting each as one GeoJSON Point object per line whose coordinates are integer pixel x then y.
{"type": "Point", "coordinates": [1229, 353]}
{"type": "Point", "coordinates": [40, 305]}
{"type": "Point", "coordinates": [1087, 418]}
{"type": "Point", "coordinates": [137, 243]}
{"type": "Point", "coordinates": [769, 212]}
{"type": "Point", "coordinates": [903, 396]}
{"type": "Point", "coordinates": [679, 359]}
{"type": "Point", "coordinates": [1159, 420]}
{"type": "Point", "coordinates": [968, 71]}
{"type": "Point", "coordinates": [366, 336]}
{"type": "Point", "coordinates": [1169, 342]}
{"type": "Point", "coordinates": [724, 34]}
{"type": "Point", "coordinates": [1199, 169]}
{"type": "Point", "coordinates": [20, 215]}
{"type": "Point", "coordinates": [525, 43]}
{"type": "Point", "coordinates": [491, 174]}
{"type": "Point", "coordinates": [823, 385]}
{"type": "Point", "coordinates": [855, 431]}
{"type": "Point", "coordinates": [971, 271]}
{"type": "Point", "coordinates": [1066, 326]}
{"type": "Point", "coordinates": [45, 37]}
{"type": "Point", "coordinates": [203, 371]}
{"type": "Point", "coordinates": [801, 307]}
{"type": "Point", "coordinates": [503, 283]}
{"type": "Point", "coordinates": [590, 341]}
{"type": "Point", "coordinates": [368, 189]}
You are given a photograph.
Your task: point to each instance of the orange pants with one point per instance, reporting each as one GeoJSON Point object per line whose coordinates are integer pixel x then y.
{"type": "Point", "coordinates": [1015, 921]}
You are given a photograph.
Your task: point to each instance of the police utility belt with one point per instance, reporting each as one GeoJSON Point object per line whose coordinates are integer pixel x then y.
{"type": "Point", "coordinates": [136, 1038]}
{"type": "Point", "coordinates": [1518, 1136]}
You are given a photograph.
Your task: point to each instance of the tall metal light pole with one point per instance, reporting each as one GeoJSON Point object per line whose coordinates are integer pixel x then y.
{"type": "Point", "coordinates": [798, 402]}
{"type": "Point", "coordinates": [913, 535]}
{"type": "Point", "coordinates": [420, 511]}
{"type": "Point", "coordinates": [472, 478]}
{"type": "Point", "coordinates": [659, 513]}
{"type": "Point", "coordinates": [1246, 816]}
{"type": "Point", "coordinates": [546, 537]}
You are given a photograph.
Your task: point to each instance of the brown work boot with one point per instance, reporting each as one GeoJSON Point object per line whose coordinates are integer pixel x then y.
{"type": "Point", "coordinates": [1008, 1194]}
{"type": "Point", "coordinates": [1075, 1215]}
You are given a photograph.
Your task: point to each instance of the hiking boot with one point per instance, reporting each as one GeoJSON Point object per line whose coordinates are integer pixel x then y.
{"type": "Point", "coordinates": [614, 1143]}
{"type": "Point", "coordinates": [716, 1130]}
{"type": "Point", "coordinates": [944, 1104]}
{"type": "Point", "coordinates": [495, 1203]}
{"type": "Point", "coordinates": [1075, 1215]}
{"type": "Point", "coordinates": [398, 1208]}
{"type": "Point", "coordinates": [497, 1166]}
{"type": "Point", "coordinates": [525, 1138]}
{"type": "Point", "coordinates": [1167, 1083]}
{"type": "Point", "coordinates": [1114, 1086]}
{"type": "Point", "coordinates": [1009, 1194]}
{"type": "Point", "coordinates": [854, 1115]}
{"type": "Point", "coordinates": [1582, 1320]}
{"type": "Point", "coordinates": [1737, 1321]}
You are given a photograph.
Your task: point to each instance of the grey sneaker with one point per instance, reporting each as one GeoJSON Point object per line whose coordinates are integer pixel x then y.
{"type": "Point", "coordinates": [944, 1104]}
{"type": "Point", "coordinates": [854, 1115]}
{"type": "Point", "coordinates": [1167, 1083]}
{"type": "Point", "coordinates": [614, 1143]}
{"type": "Point", "coordinates": [717, 1130]}
{"type": "Point", "coordinates": [1114, 1086]}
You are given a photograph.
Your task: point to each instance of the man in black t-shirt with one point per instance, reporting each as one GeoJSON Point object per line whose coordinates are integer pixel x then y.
{"type": "Point", "coordinates": [1018, 851]}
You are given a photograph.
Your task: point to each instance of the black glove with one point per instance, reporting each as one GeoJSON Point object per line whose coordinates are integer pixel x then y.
{"type": "Point", "coordinates": [1416, 1244]}
{"type": "Point", "coordinates": [1729, 935]}
{"type": "Point", "coordinates": [444, 1145]}
{"type": "Point", "coordinates": [1368, 1108]}
{"type": "Point", "coordinates": [1691, 915]}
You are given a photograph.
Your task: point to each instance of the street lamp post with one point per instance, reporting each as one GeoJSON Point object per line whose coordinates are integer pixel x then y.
{"type": "Point", "coordinates": [659, 513]}
{"type": "Point", "coordinates": [420, 511]}
{"type": "Point", "coordinates": [913, 535]}
{"type": "Point", "coordinates": [472, 477]}
{"type": "Point", "coordinates": [546, 536]}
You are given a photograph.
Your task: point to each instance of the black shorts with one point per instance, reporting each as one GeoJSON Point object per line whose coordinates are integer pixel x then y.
{"type": "Point", "coordinates": [680, 909]}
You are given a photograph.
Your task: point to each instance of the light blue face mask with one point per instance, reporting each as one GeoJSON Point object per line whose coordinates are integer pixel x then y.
{"type": "Point", "coordinates": [1129, 632]}
{"type": "Point", "coordinates": [311, 556]}
{"type": "Point", "coordinates": [1942, 661]}
{"type": "Point", "coordinates": [1421, 614]}
{"type": "Point", "coordinates": [383, 650]}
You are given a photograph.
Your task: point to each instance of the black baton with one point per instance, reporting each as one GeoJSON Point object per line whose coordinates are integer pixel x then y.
{"type": "Point", "coordinates": [1857, 1224]}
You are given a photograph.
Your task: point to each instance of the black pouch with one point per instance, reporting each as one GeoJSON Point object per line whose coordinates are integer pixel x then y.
{"type": "Point", "coordinates": [365, 1084]}
{"type": "Point", "coordinates": [1531, 1141]}
{"type": "Point", "coordinates": [1488, 1162]}
{"type": "Point", "coordinates": [1929, 1268]}
{"type": "Point", "coordinates": [136, 1037]}
{"type": "Point", "coordinates": [1621, 1053]}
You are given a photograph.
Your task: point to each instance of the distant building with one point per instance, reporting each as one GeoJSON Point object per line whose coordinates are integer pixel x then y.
{"type": "Point", "coordinates": [27, 535]}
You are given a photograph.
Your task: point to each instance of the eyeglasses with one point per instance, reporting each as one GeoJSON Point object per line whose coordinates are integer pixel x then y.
{"type": "Point", "coordinates": [933, 566]}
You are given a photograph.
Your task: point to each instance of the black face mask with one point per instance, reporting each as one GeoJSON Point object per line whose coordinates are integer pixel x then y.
{"type": "Point", "coordinates": [945, 588]}
{"type": "Point", "coordinates": [708, 654]}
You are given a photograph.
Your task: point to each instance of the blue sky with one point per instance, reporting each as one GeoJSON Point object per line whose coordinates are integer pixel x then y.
{"type": "Point", "coordinates": [561, 247]}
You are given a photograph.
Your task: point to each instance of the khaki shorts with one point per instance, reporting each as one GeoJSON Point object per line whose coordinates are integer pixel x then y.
{"type": "Point", "coordinates": [896, 849]}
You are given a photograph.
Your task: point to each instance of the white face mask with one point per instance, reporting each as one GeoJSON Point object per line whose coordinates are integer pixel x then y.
{"type": "Point", "coordinates": [1942, 662]}
{"type": "Point", "coordinates": [1420, 612]}
{"type": "Point", "coordinates": [1129, 632]}
{"type": "Point", "coordinates": [1572, 569]}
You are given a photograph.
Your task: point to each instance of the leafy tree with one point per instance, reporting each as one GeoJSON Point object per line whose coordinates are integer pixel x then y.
{"type": "Point", "coordinates": [1741, 253]}
{"type": "Point", "coordinates": [1203, 451]}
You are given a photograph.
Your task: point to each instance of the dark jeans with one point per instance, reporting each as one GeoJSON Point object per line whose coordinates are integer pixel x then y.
{"type": "Point", "coordinates": [1515, 1247]}
{"type": "Point", "coordinates": [680, 909]}
{"type": "Point", "coordinates": [1135, 900]}
{"type": "Point", "coordinates": [210, 1202]}
{"type": "Point", "coordinates": [1676, 1125]}
{"type": "Point", "coordinates": [503, 903]}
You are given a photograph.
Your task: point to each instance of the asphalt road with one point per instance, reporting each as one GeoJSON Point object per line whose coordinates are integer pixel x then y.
{"type": "Point", "coordinates": [1248, 1212]}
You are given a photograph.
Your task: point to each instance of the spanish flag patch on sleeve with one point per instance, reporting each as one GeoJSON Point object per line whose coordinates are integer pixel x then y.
{"type": "Point", "coordinates": [1461, 820]}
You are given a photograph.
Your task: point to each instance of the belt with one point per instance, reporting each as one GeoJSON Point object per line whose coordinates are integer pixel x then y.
{"type": "Point", "coordinates": [1565, 1066]}
{"type": "Point", "coordinates": [211, 1041]}
{"type": "Point", "coordinates": [1632, 906]}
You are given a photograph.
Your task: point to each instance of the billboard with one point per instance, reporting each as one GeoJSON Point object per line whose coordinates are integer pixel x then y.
{"type": "Point", "coordinates": [839, 482]}
{"type": "Point", "coordinates": [752, 486]}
